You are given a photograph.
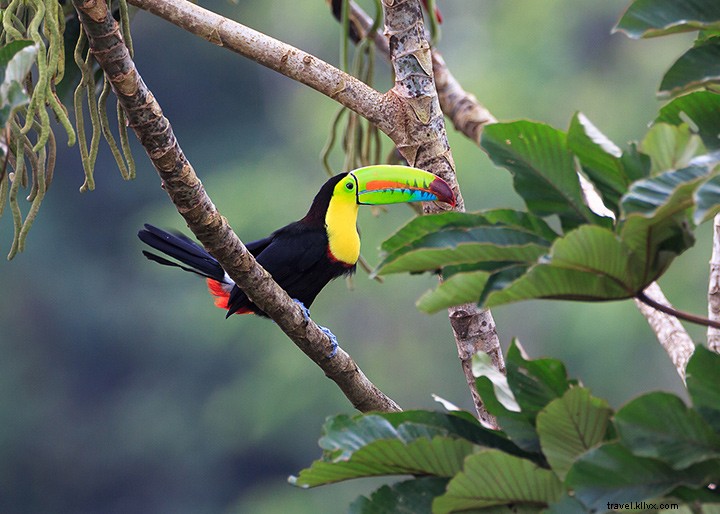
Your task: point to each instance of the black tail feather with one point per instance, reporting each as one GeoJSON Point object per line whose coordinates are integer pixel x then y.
{"type": "Point", "coordinates": [182, 248]}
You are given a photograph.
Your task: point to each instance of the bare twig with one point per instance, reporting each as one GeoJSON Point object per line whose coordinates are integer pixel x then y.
{"type": "Point", "coordinates": [276, 55]}
{"type": "Point", "coordinates": [713, 334]}
{"type": "Point", "coordinates": [192, 202]}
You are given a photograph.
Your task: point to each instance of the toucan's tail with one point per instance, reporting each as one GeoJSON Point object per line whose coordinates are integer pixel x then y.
{"type": "Point", "coordinates": [193, 257]}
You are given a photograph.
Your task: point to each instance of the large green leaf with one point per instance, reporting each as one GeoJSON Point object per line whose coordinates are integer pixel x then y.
{"type": "Point", "coordinates": [655, 208]}
{"type": "Point", "coordinates": [650, 18]}
{"type": "Point", "coordinates": [589, 263]}
{"type": "Point", "coordinates": [543, 169]}
{"type": "Point", "coordinates": [470, 284]}
{"type": "Point", "coordinates": [518, 426]}
{"type": "Point", "coordinates": [430, 242]}
{"type": "Point", "coordinates": [570, 426]}
{"type": "Point", "coordinates": [671, 147]}
{"type": "Point", "coordinates": [659, 425]}
{"type": "Point", "coordinates": [408, 497]}
{"type": "Point", "coordinates": [707, 200]}
{"type": "Point", "coordinates": [492, 478]}
{"type": "Point", "coordinates": [600, 159]}
{"type": "Point", "coordinates": [439, 456]}
{"type": "Point", "coordinates": [534, 382]}
{"type": "Point", "coordinates": [698, 67]}
{"type": "Point", "coordinates": [612, 474]}
{"type": "Point", "coordinates": [700, 111]}
{"type": "Point", "coordinates": [703, 382]}
{"type": "Point", "coordinates": [409, 442]}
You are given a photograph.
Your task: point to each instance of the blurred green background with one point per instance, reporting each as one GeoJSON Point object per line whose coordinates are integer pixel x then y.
{"type": "Point", "coordinates": [122, 389]}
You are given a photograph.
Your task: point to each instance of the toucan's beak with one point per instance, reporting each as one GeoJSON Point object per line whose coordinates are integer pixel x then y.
{"type": "Point", "coordinates": [384, 184]}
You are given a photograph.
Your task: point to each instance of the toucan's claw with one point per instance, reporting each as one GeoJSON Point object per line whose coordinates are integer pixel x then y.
{"type": "Point", "coordinates": [325, 330]}
{"type": "Point", "coordinates": [333, 341]}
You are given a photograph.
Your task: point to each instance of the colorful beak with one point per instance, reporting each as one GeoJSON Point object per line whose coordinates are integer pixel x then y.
{"type": "Point", "coordinates": [385, 184]}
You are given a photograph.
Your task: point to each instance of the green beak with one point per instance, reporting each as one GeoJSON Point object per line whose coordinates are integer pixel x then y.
{"type": "Point", "coordinates": [385, 184]}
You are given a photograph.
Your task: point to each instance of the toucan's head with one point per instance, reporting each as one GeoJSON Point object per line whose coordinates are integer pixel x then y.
{"type": "Point", "coordinates": [375, 185]}
{"type": "Point", "coordinates": [385, 184]}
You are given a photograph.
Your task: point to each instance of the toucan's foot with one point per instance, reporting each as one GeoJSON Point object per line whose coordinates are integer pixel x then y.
{"type": "Point", "coordinates": [333, 341]}
{"type": "Point", "coordinates": [305, 310]}
{"type": "Point", "coordinates": [326, 331]}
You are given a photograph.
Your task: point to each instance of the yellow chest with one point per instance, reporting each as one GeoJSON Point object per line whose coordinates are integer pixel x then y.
{"type": "Point", "coordinates": [343, 237]}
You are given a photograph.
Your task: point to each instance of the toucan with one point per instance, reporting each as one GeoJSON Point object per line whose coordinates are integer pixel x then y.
{"type": "Point", "coordinates": [305, 255]}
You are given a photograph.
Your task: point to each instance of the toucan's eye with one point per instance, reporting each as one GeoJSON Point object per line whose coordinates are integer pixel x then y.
{"type": "Point", "coordinates": [349, 186]}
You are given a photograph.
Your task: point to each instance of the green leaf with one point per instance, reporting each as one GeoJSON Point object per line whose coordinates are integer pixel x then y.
{"type": "Point", "coordinates": [651, 18]}
{"type": "Point", "coordinates": [7, 52]}
{"type": "Point", "coordinates": [470, 284]}
{"type": "Point", "coordinates": [707, 200]}
{"type": "Point", "coordinates": [600, 159]}
{"type": "Point", "coordinates": [699, 110]}
{"type": "Point", "coordinates": [460, 288]}
{"type": "Point", "coordinates": [703, 382]}
{"type": "Point", "coordinates": [659, 425]}
{"type": "Point", "coordinates": [570, 426]}
{"type": "Point", "coordinates": [430, 242]}
{"type": "Point", "coordinates": [534, 382]}
{"type": "Point", "coordinates": [612, 474]}
{"type": "Point", "coordinates": [589, 263]}
{"type": "Point", "coordinates": [482, 366]}
{"type": "Point", "coordinates": [16, 59]}
{"type": "Point", "coordinates": [655, 227]}
{"type": "Point", "coordinates": [518, 426]}
{"type": "Point", "coordinates": [698, 67]}
{"type": "Point", "coordinates": [439, 456]}
{"type": "Point", "coordinates": [408, 497]}
{"type": "Point", "coordinates": [457, 246]}
{"type": "Point", "coordinates": [492, 478]}
{"type": "Point", "coordinates": [543, 169]}
{"type": "Point", "coordinates": [671, 147]}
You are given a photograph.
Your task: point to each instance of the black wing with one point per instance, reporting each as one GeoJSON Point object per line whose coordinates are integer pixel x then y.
{"type": "Point", "coordinates": [297, 258]}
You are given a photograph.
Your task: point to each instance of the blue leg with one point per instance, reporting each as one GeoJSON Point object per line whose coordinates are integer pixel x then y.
{"type": "Point", "coordinates": [326, 331]}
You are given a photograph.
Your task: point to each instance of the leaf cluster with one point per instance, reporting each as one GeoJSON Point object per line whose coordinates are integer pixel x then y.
{"type": "Point", "coordinates": [602, 222]}
{"type": "Point", "coordinates": [561, 449]}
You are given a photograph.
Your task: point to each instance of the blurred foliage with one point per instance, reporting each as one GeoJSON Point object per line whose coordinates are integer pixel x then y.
{"type": "Point", "coordinates": [560, 449]}
{"type": "Point", "coordinates": [124, 390]}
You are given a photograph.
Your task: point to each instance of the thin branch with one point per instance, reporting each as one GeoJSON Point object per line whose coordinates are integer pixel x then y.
{"type": "Point", "coordinates": [713, 334]}
{"type": "Point", "coordinates": [669, 309]}
{"type": "Point", "coordinates": [186, 191]}
{"type": "Point", "coordinates": [276, 55]}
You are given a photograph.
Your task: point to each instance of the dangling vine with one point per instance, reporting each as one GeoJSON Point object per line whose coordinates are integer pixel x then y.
{"type": "Point", "coordinates": [33, 57]}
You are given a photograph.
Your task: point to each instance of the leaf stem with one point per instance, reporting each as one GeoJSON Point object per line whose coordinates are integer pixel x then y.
{"type": "Point", "coordinates": [692, 318]}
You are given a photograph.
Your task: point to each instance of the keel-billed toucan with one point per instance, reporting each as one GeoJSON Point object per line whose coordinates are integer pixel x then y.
{"type": "Point", "coordinates": [305, 255]}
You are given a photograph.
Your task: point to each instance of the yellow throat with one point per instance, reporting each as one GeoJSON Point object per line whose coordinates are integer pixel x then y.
{"type": "Point", "coordinates": [341, 223]}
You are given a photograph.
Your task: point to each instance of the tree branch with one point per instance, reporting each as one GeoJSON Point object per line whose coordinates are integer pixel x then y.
{"type": "Point", "coordinates": [281, 57]}
{"type": "Point", "coordinates": [669, 331]}
{"type": "Point", "coordinates": [713, 334]}
{"type": "Point", "coordinates": [425, 145]}
{"type": "Point", "coordinates": [186, 191]}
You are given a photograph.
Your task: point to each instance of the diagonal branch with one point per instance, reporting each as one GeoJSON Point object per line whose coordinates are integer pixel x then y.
{"type": "Point", "coordinates": [186, 191]}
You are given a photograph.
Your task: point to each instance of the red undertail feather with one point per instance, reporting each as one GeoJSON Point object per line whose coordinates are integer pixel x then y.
{"type": "Point", "coordinates": [222, 296]}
